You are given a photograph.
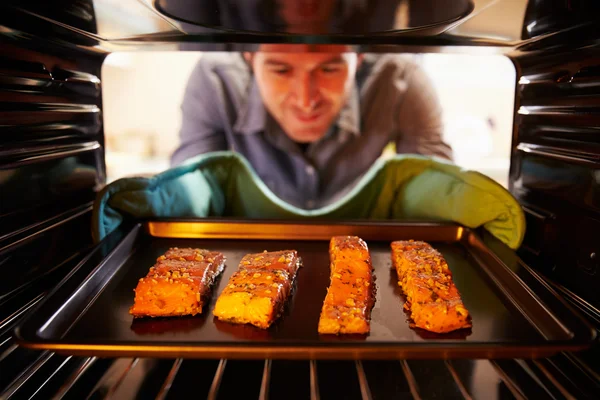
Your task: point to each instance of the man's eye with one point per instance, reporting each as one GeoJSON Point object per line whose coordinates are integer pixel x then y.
{"type": "Point", "coordinates": [329, 70]}
{"type": "Point", "coordinates": [280, 71]}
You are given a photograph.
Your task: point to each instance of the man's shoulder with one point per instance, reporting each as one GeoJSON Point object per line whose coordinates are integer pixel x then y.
{"type": "Point", "coordinates": [222, 65]}
{"type": "Point", "coordinates": [389, 66]}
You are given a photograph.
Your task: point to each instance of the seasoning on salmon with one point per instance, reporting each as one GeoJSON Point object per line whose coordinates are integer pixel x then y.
{"type": "Point", "coordinates": [350, 296]}
{"type": "Point", "coordinates": [257, 291]}
{"type": "Point", "coordinates": [189, 254]}
{"type": "Point", "coordinates": [425, 278]}
{"type": "Point", "coordinates": [180, 283]}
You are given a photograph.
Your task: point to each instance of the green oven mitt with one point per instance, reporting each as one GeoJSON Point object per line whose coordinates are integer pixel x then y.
{"type": "Point", "coordinates": [401, 188]}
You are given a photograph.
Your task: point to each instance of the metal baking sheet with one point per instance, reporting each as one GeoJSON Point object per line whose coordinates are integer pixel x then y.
{"type": "Point", "coordinates": [514, 314]}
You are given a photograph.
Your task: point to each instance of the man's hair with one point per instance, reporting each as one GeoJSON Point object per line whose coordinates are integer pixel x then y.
{"type": "Point", "coordinates": [353, 49]}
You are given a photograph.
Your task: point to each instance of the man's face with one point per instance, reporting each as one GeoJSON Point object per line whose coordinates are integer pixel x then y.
{"type": "Point", "coordinates": [304, 91]}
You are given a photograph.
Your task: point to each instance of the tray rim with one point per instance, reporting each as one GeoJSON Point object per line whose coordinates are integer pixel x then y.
{"type": "Point", "coordinates": [262, 229]}
{"type": "Point", "coordinates": [296, 350]}
{"type": "Point", "coordinates": [473, 351]}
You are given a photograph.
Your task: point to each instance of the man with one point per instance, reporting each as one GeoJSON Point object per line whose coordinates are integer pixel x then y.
{"type": "Point", "coordinates": [310, 119]}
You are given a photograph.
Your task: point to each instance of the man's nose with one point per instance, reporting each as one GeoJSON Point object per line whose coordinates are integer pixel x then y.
{"type": "Point", "coordinates": [307, 92]}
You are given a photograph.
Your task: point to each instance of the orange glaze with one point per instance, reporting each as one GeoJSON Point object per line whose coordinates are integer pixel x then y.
{"type": "Point", "coordinates": [163, 296]}
{"type": "Point", "coordinates": [350, 296]}
{"type": "Point", "coordinates": [256, 293]}
{"type": "Point", "coordinates": [182, 268]}
{"type": "Point", "coordinates": [425, 278]}
{"type": "Point", "coordinates": [175, 286]}
{"type": "Point", "coordinates": [190, 254]}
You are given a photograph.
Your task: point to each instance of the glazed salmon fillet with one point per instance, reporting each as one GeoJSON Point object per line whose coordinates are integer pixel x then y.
{"type": "Point", "coordinates": [350, 296]}
{"type": "Point", "coordinates": [258, 290]}
{"type": "Point", "coordinates": [180, 283]}
{"type": "Point", "coordinates": [425, 278]}
{"type": "Point", "coordinates": [189, 254]}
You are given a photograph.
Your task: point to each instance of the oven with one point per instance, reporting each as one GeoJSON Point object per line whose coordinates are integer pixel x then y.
{"type": "Point", "coordinates": [53, 164]}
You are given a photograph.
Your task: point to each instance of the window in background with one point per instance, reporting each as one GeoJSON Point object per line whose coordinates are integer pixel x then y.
{"type": "Point", "coordinates": [477, 95]}
{"type": "Point", "coordinates": [141, 95]}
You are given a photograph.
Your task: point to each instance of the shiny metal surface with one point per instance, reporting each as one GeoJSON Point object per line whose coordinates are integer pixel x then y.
{"type": "Point", "coordinates": [326, 17]}
{"type": "Point", "coordinates": [216, 382]}
{"type": "Point", "coordinates": [109, 25]}
{"type": "Point", "coordinates": [273, 230]}
{"type": "Point", "coordinates": [51, 144]}
{"type": "Point", "coordinates": [560, 64]}
{"type": "Point", "coordinates": [128, 378]}
{"type": "Point", "coordinates": [264, 383]}
{"type": "Point", "coordinates": [166, 386]}
{"type": "Point", "coordinates": [555, 168]}
{"type": "Point", "coordinates": [314, 381]}
{"type": "Point", "coordinates": [495, 380]}
{"type": "Point", "coordinates": [365, 391]}
{"type": "Point", "coordinates": [87, 314]}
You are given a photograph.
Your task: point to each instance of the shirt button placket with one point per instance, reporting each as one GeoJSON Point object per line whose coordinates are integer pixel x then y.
{"type": "Point", "coordinates": [312, 185]}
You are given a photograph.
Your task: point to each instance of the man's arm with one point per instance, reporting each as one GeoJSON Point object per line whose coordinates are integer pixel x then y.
{"type": "Point", "coordinates": [202, 128]}
{"type": "Point", "coordinates": [420, 117]}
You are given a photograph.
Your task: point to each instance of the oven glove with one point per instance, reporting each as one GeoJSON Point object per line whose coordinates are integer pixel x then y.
{"type": "Point", "coordinates": [223, 184]}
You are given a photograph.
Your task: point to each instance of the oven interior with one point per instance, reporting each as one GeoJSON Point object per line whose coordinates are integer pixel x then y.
{"type": "Point", "coordinates": [53, 162]}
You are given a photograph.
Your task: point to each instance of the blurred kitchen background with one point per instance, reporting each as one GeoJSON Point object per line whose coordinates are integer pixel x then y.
{"type": "Point", "coordinates": [142, 94]}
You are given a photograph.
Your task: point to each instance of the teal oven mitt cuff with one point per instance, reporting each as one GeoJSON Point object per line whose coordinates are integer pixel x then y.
{"type": "Point", "coordinates": [399, 188]}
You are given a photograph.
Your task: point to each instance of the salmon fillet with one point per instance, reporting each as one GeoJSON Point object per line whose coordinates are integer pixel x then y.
{"type": "Point", "coordinates": [426, 280]}
{"type": "Point", "coordinates": [258, 290]}
{"type": "Point", "coordinates": [175, 286]}
{"type": "Point", "coordinates": [190, 254]}
{"type": "Point", "coordinates": [350, 296]}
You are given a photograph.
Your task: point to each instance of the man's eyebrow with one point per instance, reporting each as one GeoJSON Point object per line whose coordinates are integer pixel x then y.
{"type": "Point", "coordinates": [334, 60]}
{"type": "Point", "coordinates": [277, 63]}
{"type": "Point", "coordinates": [337, 59]}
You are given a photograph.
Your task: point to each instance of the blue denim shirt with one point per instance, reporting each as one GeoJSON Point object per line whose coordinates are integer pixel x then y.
{"type": "Point", "coordinates": [392, 101]}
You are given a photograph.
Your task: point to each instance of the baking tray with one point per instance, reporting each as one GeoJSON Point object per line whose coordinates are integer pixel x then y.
{"type": "Point", "coordinates": [514, 313]}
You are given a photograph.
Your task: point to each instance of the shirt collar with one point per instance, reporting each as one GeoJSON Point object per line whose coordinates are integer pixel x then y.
{"type": "Point", "coordinates": [253, 114]}
{"type": "Point", "coordinates": [349, 119]}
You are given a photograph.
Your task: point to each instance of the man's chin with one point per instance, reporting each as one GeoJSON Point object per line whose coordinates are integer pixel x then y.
{"type": "Point", "coordinates": [307, 136]}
